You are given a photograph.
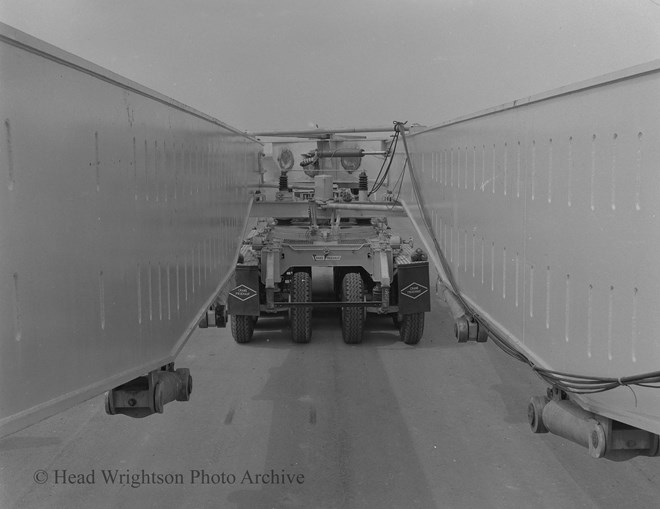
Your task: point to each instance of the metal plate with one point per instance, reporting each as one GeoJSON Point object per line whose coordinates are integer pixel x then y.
{"type": "Point", "coordinates": [120, 214]}
{"type": "Point", "coordinates": [548, 210]}
{"type": "Point", "coordinates": [414, 292]}
{"type": "Point", "coordinates": [243, 298]}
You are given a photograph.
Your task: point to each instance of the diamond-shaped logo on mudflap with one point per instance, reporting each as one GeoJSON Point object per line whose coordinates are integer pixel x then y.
{"type": "Point", "coordinates": [242, 293]}
{"type": "Point", "coordinates": [414, 290]}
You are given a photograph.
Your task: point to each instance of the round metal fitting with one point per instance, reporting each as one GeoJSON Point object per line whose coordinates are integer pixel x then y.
{"type": "Point", "coordinates": [462, 329]}
{"type": "Point", "coordinates": [158, 398]}
{"type": "Point", "coordinates": [597, 440]}
{"type": "Point", "coordinates": [535, 414]}
{"type": "Point", "coordinates": [285, 159]}
{"type": "Point", "coordinates": [109, 403]}
{"type": "Point", "coordinates": [350, 164]}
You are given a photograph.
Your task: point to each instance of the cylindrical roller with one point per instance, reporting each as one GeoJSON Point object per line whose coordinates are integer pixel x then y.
{"type": "Point", "coordinates": [171, 386]}
{"type": "Point", "coordinates": [462, 329]}
{"type": "Point", "coordinates": [342, 152]}
{"type": "Point", "coordinates": [567, 420]}
{"type": "Point", "coordinates": [535, 414]}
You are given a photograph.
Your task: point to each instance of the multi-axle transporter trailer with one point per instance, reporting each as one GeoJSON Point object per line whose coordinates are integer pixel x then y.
{"type": "Point", "coordinates": [331, 225]}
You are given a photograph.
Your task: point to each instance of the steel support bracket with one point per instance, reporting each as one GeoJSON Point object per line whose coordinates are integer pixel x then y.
{"type": "Point", "coordinates": [215, 316]}
{"type": "Point", "coordinates": [146, 395]}
{"type": "Point", "coordinates": [603, 437]}
{"type": "Point", "coordinates": [468, 329]}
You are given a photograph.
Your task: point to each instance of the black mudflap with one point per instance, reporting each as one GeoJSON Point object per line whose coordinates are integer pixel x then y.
{"type": "Point", "coordinates": [244, 297]}
{"type": "Point", "coordinates": [414, 294]}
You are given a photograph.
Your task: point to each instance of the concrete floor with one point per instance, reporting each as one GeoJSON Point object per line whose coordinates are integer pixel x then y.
{"type": "Point", "coordinates": [377, 425]}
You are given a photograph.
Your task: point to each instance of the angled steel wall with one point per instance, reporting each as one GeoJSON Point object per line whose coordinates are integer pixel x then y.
{"type": "Point", "coordinates": [548, 210]}
{"type": "Point", "coordinates": [120, 214]}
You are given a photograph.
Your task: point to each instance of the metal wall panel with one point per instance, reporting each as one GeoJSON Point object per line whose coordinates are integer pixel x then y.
{"type": "Point", "coordinates": [120, 214]}
{"type": "Point", "coordinates": [548, 210]}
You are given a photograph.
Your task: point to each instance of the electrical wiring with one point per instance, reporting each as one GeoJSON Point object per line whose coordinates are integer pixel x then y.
{"type": "Point", "coordinates": [398, 185]}
{"type": "Point", "coordinates": [378, 183]}
{"type": "Point", "coordinates": [420, 205]}
{"type": "Point", "coordinates": [579, 384]}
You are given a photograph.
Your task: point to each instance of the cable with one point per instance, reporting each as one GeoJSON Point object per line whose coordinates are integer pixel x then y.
{"type": "Point", "coordinates": [399, 182]}
{"type": "Point", "coordinates": [579, 384]}
{"type": "Point", "coordinates": [399, 126]}
{"type": "Point", "coordinates": [381, 180]}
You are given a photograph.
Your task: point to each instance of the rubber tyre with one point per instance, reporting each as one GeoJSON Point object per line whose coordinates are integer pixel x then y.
{"type": "Point", "coordinates": [242, 328]}
{"type": "Point", "coordinates": [352, 319]}
{"type": "Point", "coordinates": [301, 317]}
{"type": "Point", "coordinates": [411, 328]}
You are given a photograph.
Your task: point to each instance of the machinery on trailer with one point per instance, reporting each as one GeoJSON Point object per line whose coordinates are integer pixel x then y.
{"type": "Point", "coordinates": [154, 196]}
{"type": "Point", "coordinates": [335, 224]}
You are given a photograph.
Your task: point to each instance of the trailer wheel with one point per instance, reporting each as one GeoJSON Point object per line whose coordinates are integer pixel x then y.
{"type": "Point", "coordinates": [242, 328]}
{"type": "Point", "coordinates": [352, 319]}
{"type": "Point", "coordinates": [301, 316]}
{"type": "Point", "coordinates": [411, 328]}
